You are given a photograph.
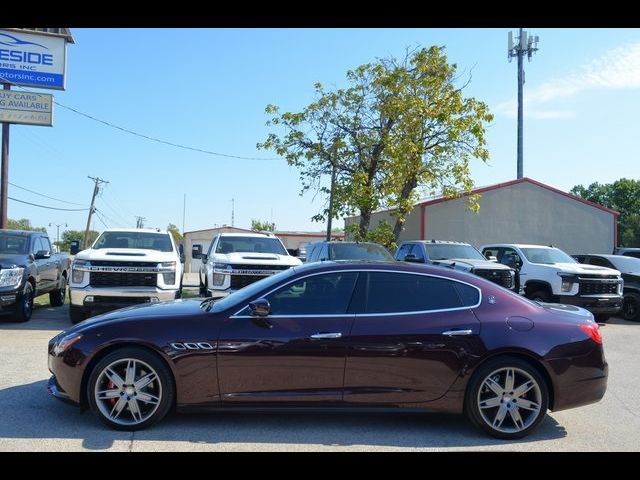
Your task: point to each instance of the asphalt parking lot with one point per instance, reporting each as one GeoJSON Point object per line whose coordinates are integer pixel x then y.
{"type": "Point", "coordinates": [33, 421]}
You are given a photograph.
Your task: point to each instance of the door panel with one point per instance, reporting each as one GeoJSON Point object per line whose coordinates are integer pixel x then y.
{"type": "Point", "coordinates": [297, 353]}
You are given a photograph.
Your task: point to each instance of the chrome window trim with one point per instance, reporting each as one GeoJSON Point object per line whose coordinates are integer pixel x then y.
{"type": "Point", "coordinates": [416, 312]}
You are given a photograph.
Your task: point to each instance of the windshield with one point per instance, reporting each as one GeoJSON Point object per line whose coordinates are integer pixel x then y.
{"type": "Point", "coordinates": [626, 264]}
{"type": "Point", "coordinates": [144, 240]}
{"type": "Point", "coordinates": [240, 296]}
{"type": "Point", "coordinates": [251, 244]}
{"type": "Point", "coordinates": [439, 251]}
{"type": "Point", "coordinates": [359, 251]}
{"type": "Point", "coordinates": [547, 255]}
{"type": "Point", "coordinates": [13, 244]}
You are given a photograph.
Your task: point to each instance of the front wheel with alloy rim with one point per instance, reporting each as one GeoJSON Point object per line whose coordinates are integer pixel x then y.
{"type": "Point", "coordinates": [130, 389]}
{"type": "Point", "coordinates": [631, 307]}
{"type": "Point", "coordinates": [507, 398]}
{"type": "Point", "coordinates": [24, 304]}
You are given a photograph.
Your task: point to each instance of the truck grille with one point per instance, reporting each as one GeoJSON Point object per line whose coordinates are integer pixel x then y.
{"type": "Point", "coordinates": [258, 267]}
{"type": "Point", "coordinates": [109, 263]}
{"type": "Point", "coordinates": [239, 281]}
{"type": "Point", "coordinates": [595, 287]}
{"type": "Point", "coordinates": [501, 277]}
{"type": "Point", "coordinates": [122, 279]}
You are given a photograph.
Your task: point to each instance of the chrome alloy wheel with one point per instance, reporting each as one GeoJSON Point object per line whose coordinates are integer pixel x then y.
{"type": "Point", "coordinates": [128, 391]}
{"type": "Point", "coordinates": [509, 400]}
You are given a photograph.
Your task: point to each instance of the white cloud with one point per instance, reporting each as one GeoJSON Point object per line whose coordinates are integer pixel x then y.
{"type": "Point", "coordinates": [616, 69]}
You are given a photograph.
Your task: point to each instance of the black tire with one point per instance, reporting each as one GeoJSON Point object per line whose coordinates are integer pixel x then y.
{"type": "Point", "coordinates": [602, 318]}
{"type": "Point", "coordinates": [56, 298]}
{"type": "Point", "coordinates": [540, 296]}
{"type": "Point", "coordinates": [163, 389]}
{"type": "Point", "coordinates": [24, 304]}
{"type": "Point", "coordinates": [631, 307]}
{"type": "Point", "coordinates": [477, 392]}
{"type": "Point", "coordinates": [202, 289]}
{"type": "Point", "coordinates": [77, 314]}
{"type": "Point", "coordinates": [207, 293]}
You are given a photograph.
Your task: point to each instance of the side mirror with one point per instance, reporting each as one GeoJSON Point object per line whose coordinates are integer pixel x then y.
{"type": "Point", "coordinates": [259, 307]}
{"type": "Point", "coordinates": [75, 247]}
{"type": "Point", "coordinates": [411, 257]}
{"type": "Point", "coordinates": [196, 251]}
{"type": "Point", "coordinates": [42, 254]}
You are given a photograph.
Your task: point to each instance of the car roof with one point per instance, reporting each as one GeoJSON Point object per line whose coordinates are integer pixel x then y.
{"type": "Point", "coordinates": [136, 230]}
{"type": "Point", "coordinates": [438, 242]}
{"type": "Point", "coordinates": [253, 234]}
{"type": "Point", "coordinates": [518, 245]}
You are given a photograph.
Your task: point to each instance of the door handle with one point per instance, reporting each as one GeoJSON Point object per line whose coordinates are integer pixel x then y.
{"type": "Point", "coordinates": [457, 333]}
{"type": "Point", "coordinates": [326, 335]}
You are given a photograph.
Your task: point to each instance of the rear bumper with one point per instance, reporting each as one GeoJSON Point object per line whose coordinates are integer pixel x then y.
{"type": "Point", "coordinates": [605, 305]}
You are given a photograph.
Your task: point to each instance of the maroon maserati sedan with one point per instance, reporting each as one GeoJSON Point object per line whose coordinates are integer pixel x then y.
{"type": "Point", "coordinates": [338, 335]}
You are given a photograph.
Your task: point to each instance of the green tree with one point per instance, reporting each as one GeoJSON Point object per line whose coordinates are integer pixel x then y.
{"type": "Point", "coordinates": [622, 195]}
{"type": "Point", "coordinates": [262, 226]}
{"type": "Point", "coordinates": [175, 233]}
{"type": "Point", "coordinates": [23, 224]}
{"type": "Point", "coordinates": [400, 129]}
{"type": "Point", "coordinates": [69, 235]}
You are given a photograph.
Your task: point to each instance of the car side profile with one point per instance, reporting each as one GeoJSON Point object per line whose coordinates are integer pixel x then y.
{"type": "Point", "coordinates": [338, 335]}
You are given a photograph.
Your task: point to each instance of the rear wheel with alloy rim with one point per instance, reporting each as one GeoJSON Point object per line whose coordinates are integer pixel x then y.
{"type": "Point", "coordinates": [507, 398]}
{"type": "Point", "coordinates": [24, 304]}
{"type": "Point", "coordinates": [130, 389]}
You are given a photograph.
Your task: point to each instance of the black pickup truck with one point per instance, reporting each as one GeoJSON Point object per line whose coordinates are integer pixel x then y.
{"type": "Point", "coordinates": [28, 269]}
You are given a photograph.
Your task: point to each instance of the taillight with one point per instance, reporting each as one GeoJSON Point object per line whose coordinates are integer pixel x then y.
{"type": "Point", "coordinates": [592, 330]}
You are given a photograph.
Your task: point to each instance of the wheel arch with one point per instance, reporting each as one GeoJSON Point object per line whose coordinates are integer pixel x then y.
{"type": "Point", "coordinates": [84, 403]}
{"type": "Point", "coordinates": [525, 355]}
{"type": "Point", "coordinates": [533, 285]}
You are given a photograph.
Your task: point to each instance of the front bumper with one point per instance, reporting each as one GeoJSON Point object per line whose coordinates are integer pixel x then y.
{"type": "Point", "coordinates": [56, 391]}
{"type": "Point", "coordinates": [595, 304]}
{"type": "Point", "coordinates": [118, 297]}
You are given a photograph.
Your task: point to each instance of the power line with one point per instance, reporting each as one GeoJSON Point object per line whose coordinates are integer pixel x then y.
{"type": "Point", "coordinates": [43, 195]}
{"type": "Point", "coordinates": [111, 220]}
{"type": "Point", "coordinates": [95, 210]}
{"type": "Point", "coordinates": [50, 208]}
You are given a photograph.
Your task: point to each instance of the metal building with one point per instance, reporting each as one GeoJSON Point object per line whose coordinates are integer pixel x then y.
{"type": "Point", "coordinates": [518, 211]}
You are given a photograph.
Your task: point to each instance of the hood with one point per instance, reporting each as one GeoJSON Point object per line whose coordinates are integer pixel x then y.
{"type": "Point", "coordinates": [255, 258]}
{"type": "Point", "coordinates": [8, 260]}
{"type": "Point", "coordinates": [579, 268]}
{"type": "Point", "coordinates": [470, 263]}
{"type": "Point", "coordinates": [126, 255]}
{"type": "Point", "coordinates": [154, 312]}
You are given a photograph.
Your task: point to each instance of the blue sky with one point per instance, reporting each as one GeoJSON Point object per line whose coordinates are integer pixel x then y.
{"type": "Point", "coordinates": [208, 88]}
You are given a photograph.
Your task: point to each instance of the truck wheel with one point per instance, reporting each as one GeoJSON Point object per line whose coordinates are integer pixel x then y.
{"type": "Point", "coordinates": [77, 314]}
{"type": "Point", "coordinates": [56, 298]}
{"type": "Point", "coordinates": [24, 304]}
{"type": "Point", "coordinates": [202, 290]}
{"type": "Point", "coordinates": [540, 296]}
{"type": "Point", "coordinates": [631, 307]}
{"type": "Point", "coordinates": [602, 318]}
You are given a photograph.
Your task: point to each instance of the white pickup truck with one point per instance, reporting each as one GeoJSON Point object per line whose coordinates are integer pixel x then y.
{"type": "Point", "coordinates": [547, 274]}
{"type": "Point", "coordinates": [123, 268]}
{"type": "Point", "coordinates": [235, 260]}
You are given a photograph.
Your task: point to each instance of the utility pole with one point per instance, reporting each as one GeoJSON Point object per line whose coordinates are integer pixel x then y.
{"type": "Point", "coordinates": [58, 233]}
{"type": "Point", "coordinates": [96, 189]}
{"type": "Point", "coordinates": [525, 45]}
{"type": "Point", "coordinates": [233, 203]}
{"type": "Point", "coordinates": [184, 209]}
{"type": "Point", "coordinates": [140, 222]}
{"type": "Point", "coordinates": [4, 183]}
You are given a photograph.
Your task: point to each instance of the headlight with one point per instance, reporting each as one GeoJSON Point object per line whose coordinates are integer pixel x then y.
{"type": "Point", "coordinates": [167, 266]}
{"type": "Point", "coordinates": [64, 343]}
{"type": "Point", "coordinates": [11, 277]}
{"type": "Point", "coordinates": [568, 279]}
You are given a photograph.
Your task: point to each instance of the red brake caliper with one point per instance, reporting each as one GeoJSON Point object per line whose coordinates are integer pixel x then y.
{"type": "Point", "coordinates": [110, 386]}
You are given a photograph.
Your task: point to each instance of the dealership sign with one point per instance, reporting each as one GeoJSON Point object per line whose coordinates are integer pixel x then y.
{"type": "Point", "coordinates": [32, 60]}
{"type": "Point", "coordinates": [26, 108]}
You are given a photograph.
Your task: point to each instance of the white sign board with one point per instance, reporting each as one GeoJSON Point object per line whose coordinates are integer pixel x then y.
{"type": "Point", "coordinates": [26, 108]}
{"type": "Point", "coordinates": [32, 60]}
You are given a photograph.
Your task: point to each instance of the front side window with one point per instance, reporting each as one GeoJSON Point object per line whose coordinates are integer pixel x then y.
{"type": "Point", "coordinates": [325, 294]}
{"type": "Point", "coordinates": [143, 240]}
{"type": "Point", "coordinates": [391, 292]}
{"type": "Point", "coordinates": [359, 251]}
{"type": "Point", "coordinates": [250, 244]}
{"type": "Point", "coordinates": [601, 262]}
{"type": "Point", "coordinates": [37, 245]}
{"type": "Point", "coordinates": [402, 252]}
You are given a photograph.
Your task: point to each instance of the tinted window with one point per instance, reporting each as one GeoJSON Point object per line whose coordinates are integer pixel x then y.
{"type": "Point", "coordinates": [327, 294]}
{"type": "Point", "coordinates": [601, 262]}
{"type": "Point", "coordinates": [402, 251]}
{"type": "Point", "coordinates": [493, 252]}
{"type": "Point", "coordinates": [444, 251]}
{"type": "Point", "coordinates": [402, 292]}
{"type": "Point", "coordinates": [468, 295]}
{"type": "Point", "coordinates": [632, 254]}
{"type": "Point", "coordinates": [580, 258]}
{"type": "Point", "coordinates": [359, 251]}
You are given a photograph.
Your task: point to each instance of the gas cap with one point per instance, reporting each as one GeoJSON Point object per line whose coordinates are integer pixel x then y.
{"type": "Point", "coordinates": [520, 324]}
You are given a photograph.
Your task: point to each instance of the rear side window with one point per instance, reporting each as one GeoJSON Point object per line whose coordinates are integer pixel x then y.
{"type": "Point", "coordinates": [391, 292]}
